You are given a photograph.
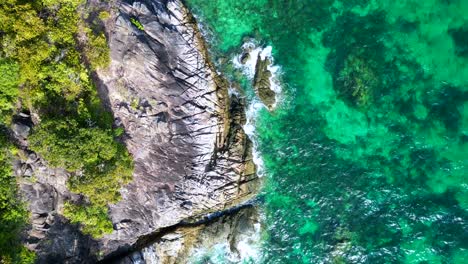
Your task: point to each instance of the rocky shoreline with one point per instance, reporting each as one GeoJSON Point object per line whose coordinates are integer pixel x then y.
{"type": "Point", "coordinates": [193, 161]}
{"type": "Point", "coordinates": [187, 241]}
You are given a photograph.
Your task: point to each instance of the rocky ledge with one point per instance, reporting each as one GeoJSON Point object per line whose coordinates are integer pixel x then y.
{"type": "Point", "coordinates": [235, 235]}
{"type": "Point", "coordinates": [182, 127]}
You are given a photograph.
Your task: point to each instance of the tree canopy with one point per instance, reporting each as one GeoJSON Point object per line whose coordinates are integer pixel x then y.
{"type": "Point", "coordinates": [46, 70]}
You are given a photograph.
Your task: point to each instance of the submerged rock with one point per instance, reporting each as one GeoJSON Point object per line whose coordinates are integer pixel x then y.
{"type": "Point", "coordinates": [357, 80]}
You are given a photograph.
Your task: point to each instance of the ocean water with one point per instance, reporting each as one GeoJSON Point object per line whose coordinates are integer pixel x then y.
{"type": "Point", "coordinates": [365, 156]}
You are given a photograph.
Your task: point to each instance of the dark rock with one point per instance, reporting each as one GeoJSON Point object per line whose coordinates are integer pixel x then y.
{"type": "Point", "coordinates": [64, 243]}
{"type": "Point", "coordinates": [32, 158]}
{"type": "Point", "coordinates": [262, 83]}
{"type": "Point", "coordinates": [245, 57]}
{"type": "Point", "coordinates": [21, 130]}
{"type": "Point", "coordinates": [41, 198]}
{"type": "Point", "coordinates": [27, 170]}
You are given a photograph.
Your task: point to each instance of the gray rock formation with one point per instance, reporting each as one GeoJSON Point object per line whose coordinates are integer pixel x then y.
{"type": "Point", "coordinates": [184, 132]}
{"type": "Point", "coordinates": [182, 128]}
{"type": "Point", "coordinates": [44, 189]}
{"type": "Point", "coordinates": [235, 237]}
{"type": "Point", "coordinates": [49, 234]}
{"type": "Point", "coordinates": [261, 82]}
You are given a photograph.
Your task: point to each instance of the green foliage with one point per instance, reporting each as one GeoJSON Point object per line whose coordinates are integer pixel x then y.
{"type": "Point", "coordinates": [101, 181]}
{"type": "Point", "coordinates": [13, 214]}
{"type": "Point", "coordinates": [104, 15]}
{"type": "Point", "coordinates": [102, 165]}
{"type": "Point", "coordinates": [40, 64]}
{"type": "Point", "coordinates": [137, 24]}
{"type": "Point", "coordinates": [64, 144]}
{"type": "Point", "coordinates": [94, 218]}
{"type": "Point", "coordinates": [18, 255]}
{"type": "Point", "coordinates": [27, 256]}
{"type": "Point", "coordinates": [45, 49]}
{"type": "Point", "coordinates": [97, 51]}
{"type": "Point", "coordinates": [9, 73]}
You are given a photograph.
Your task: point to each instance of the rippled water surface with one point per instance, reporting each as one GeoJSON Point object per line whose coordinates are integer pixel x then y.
{"type": "Point", "coordinates": [366, 157]}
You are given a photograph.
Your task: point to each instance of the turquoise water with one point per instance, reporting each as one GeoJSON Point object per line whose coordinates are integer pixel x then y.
{"type": "Point", "coordinates": [366, 157]}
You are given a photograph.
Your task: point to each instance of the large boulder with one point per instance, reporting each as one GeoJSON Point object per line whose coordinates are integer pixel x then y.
{"type": "Point", "coordinates": [182, 128]}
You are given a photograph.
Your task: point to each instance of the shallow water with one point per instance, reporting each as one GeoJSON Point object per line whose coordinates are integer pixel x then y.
{"type": "Point", "coordinates": [366, 155]}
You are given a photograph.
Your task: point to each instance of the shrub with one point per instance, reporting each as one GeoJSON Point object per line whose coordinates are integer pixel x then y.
{"type": "Point", "coordinates": [104, 15]}
{"type": "Point", "coordinates": [137, 24]}
{"type": "Point", "coordinates": [101, 165]}
{"type": "Point", "coordinates": [94, 219]}
{"type": "Point", "coordinates": [13, 214]}
{"type": "Point", "coordinates": [97, 51]}
{"type": "Point", "coordinates": [9, 74]}
{"type": "Point", "coordinates": [39, 53]}
{"type": "Point", "coordinates": [64, 144]}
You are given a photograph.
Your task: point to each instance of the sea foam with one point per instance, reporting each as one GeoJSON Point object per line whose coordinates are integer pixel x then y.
{"type": "Point", "coordinates": [248, 69]}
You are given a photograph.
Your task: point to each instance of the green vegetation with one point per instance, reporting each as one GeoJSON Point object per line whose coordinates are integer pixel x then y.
{"type": "Point", "coordinates": [102, 163]}
{"type": "Point", "coordinates": [137, 24]}
{"type": "Point", "coordinates": [8, 88]}
{"type": "Point", "coordinates": [94, 218]}
{"type": "Point", "coordinates": [45, 69]}
{"type": "Point", "coordinates": [97, 50]}
{"type": "Point", "coordinates": [61, 144]}
{"type": "Point", "coordinates": [13, 214]}
{"type": "Point", "coordinates": [104, 15]}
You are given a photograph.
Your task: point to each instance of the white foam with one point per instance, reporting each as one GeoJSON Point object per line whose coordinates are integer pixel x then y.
{"type": "Point", "coordinates": [249, 129]}
{"type": "Point", "coordinates": [247, 248]}
{"type": "Point", "coordinates": [233, 91]}
{"type": "Point", "coordinates": [248, 67]}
